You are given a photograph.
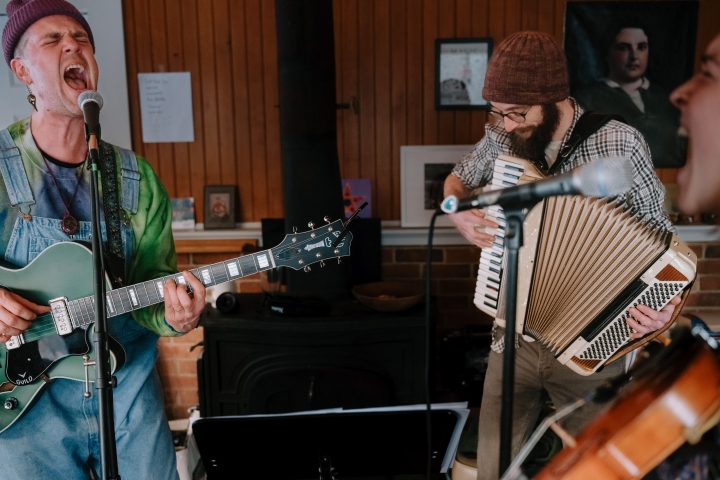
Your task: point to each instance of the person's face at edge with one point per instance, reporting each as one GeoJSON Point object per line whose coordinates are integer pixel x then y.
{"type": "Point", "coordinates": [628, 56]}
{"type": "Point", "coordinates": [699, 102]}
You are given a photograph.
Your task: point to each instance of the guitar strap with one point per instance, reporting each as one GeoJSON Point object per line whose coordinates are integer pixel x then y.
{"type": "Point", "coordinates": [20, 194]}
{"type": "Point", "coordinates": [114, 210]}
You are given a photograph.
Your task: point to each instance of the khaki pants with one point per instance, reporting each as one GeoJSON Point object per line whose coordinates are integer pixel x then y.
{"type": "Point", "coordinates": [535, 369]}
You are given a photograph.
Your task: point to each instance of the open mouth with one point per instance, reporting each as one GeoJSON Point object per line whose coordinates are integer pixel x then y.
{"type": "Point", "coordinates": [75, 77]}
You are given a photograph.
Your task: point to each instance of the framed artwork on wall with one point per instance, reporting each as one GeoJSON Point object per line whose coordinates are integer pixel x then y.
{"type": "Point", "coordinates": [460, 67]}
{"type": "Point", "coordinates": [423, 170]}
{"type": "Point", "coordinates": [357, 191]}
{"type": "Point", "coordinates": [626, 57]}
{"type": "Point", "coordinates": [220, 206]}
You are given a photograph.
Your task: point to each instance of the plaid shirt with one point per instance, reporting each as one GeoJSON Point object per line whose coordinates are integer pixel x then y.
{"type": "Point", "coordinates": [614, 139]}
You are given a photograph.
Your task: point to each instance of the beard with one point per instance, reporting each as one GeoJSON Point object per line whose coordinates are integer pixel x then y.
{"type": "Point", "coordinates": [533, 147]}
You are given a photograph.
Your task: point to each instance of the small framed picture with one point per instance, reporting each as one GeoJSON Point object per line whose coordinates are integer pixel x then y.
{"type": "Point", "coordinates": [220, 206]}
{"type": "Point", "coordinates": [183, 213]}
{"type": "Point", "coordinates": [423, 170]}
{"type": "Point", "coordinates": [460, 66]}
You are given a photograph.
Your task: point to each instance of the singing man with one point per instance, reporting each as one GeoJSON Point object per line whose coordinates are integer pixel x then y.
{"type": "Point", "coordinates": [45, 198]}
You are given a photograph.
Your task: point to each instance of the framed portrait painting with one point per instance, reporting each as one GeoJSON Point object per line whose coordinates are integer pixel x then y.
{"type": "Point", "coordinates": [220, 206]}
{"type": "Point", "coordinates": [423, 170]}
{"type": "Point", "coordinates": [626, 57]}
{"type": "Point", "coordinates": [460, 67]}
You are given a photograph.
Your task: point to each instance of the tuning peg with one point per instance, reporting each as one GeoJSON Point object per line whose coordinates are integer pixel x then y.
{"type": "Point", "coordinates": [322, 263]}
{"type": "Point", "coordinates": [306, 269]}
{"type": "Point", "coordinates": [327, 218]}
{"type": "Point", "coordinates": [294, 229]}
{"type": "Point", "coordinates": [311, 225]}
{"type": "Point", "coordinates": [339, 261]}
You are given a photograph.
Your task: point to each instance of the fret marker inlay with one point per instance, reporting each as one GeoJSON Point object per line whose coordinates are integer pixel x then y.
{"type": "Point", "coordinates": [263, 261]}
{"type": "Point", "coordinates": [233, 269]}
{"type": "Point", "coordinates": [206, 276]}
{"type": "Point", "coordinates": [133, 297]}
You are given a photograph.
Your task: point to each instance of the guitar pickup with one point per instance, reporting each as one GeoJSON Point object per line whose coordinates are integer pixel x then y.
{"type": "Point", "coordinates": [61, 316]}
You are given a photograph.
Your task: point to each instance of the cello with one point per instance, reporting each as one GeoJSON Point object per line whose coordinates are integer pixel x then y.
{"type": "Point", "coordinates": [672, 398]}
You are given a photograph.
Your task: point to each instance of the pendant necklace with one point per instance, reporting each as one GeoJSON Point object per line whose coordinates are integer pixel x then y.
{"type": "Point", "coordinates": [68, 224]}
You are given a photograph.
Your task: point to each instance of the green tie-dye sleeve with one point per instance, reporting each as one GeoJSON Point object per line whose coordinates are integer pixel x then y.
{"type": "Point", "coordinates": [154, 248]}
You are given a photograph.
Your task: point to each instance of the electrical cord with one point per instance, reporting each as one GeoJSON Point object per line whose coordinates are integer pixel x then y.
{"type": "Point", "coordinates": [428, 339]}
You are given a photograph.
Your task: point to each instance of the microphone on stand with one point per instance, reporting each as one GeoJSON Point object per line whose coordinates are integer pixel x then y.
{"type": "Point", "coordinates": [606, 177]}
{"type": "Point", "coordinates": [90, 103]}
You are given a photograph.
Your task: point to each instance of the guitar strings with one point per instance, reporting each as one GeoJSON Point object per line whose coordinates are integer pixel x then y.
{"type": "Point", "coordinates": [41, 328]}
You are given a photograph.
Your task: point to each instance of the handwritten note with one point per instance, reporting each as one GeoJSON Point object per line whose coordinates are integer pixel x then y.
{"type": "Point", "coordinates": [166, 107]}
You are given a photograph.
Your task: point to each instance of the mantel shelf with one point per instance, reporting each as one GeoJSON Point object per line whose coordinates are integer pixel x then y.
{"type": "Point", "coordinates": [394, 235]}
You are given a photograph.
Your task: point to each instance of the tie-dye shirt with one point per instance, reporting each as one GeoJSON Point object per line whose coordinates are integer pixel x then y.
{"type": "Point", "coordinates": [153, 247]}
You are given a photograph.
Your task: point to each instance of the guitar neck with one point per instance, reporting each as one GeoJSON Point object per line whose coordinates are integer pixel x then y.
{"type": "Point", "coordinates": [134, 297]}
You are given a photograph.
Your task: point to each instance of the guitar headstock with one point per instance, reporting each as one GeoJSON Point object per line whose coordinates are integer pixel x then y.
{"type": "Point", "coordinates": [300, 250]}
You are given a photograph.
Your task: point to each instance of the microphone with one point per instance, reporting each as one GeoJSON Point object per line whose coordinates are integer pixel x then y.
{"type": "Point", "coordinates": [606, 177]}
{"type": "Point", "coordinates": [90, 103]}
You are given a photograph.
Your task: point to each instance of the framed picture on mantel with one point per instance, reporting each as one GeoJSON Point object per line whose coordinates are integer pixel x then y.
{"type": "Point", "coordinates": [220, 206]}
{"type": "Point", "coordinates": [423, 170]}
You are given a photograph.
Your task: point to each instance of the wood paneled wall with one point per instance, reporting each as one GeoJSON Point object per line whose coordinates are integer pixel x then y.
{"type": "Point", "coordinates": [229, 48]}
{"type": "Point", "coordinates": [385, 51]}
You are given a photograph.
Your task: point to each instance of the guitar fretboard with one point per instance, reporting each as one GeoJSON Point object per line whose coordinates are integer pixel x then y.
{"type": "Point", "coordinates": [140, 295]}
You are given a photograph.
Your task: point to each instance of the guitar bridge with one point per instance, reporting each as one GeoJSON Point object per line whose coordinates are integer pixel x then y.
{"type": "Point", "coordinates": [61, 316]}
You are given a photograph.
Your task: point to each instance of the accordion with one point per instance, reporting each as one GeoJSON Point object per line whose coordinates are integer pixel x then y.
{"type": "Point", "coordinates": [584, 262]}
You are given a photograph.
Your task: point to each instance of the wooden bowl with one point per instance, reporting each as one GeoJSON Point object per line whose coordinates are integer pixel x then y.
{"type": "Point", "coordinates": [389, 296]}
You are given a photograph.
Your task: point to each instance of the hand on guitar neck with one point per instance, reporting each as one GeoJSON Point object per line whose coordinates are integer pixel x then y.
{"type": "Point", "coordinates": [16, 313]}
{"type": "Point", "coordinates": [182, 309]}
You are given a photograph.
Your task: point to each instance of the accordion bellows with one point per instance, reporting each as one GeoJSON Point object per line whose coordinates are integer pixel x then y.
{"type": "Point", "coordinates": [584, 262]}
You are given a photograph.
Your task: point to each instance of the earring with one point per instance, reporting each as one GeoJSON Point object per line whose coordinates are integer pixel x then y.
{"type": "Point", "coordinates": [31, 99]}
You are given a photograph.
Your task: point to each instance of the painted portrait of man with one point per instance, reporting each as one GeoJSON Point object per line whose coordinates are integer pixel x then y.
{"type": "Point", "coordinates": [625, 58]}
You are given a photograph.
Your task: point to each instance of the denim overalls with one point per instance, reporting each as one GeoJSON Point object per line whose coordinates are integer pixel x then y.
{"type": "Point", "coordinates": [58, 436]}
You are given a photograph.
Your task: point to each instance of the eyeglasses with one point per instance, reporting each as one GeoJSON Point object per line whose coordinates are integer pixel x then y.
{"type": "Point", "coordinates": [514, 116]}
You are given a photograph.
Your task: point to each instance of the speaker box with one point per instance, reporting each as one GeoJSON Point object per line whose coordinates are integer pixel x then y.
{"type": "Point", "coordinates": [366, 251]}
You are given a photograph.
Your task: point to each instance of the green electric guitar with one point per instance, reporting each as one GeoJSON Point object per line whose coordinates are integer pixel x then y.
{"type": "Point", "coordinates": [57, 345]}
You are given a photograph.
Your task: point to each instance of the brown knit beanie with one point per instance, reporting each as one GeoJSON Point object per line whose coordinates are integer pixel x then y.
{"type": "Point", "coordinates": [23, 13]}
{"type": "Point", "coordinates": [527, 68]}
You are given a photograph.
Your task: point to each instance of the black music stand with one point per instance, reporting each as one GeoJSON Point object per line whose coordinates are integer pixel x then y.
{"type": "Point", "coordinates": [355, 444]}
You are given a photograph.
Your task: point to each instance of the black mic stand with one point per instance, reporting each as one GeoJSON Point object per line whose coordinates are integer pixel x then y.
{"type": "Point", "coordinates": [104, 381]}
{"type": "Point", "coordinates": [514, 218]}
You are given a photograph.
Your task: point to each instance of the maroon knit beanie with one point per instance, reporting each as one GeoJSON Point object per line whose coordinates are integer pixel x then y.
{"type": "Point", "coordinates": [527, 68]}
{"type": "Point", "coordinates": [23, 13]}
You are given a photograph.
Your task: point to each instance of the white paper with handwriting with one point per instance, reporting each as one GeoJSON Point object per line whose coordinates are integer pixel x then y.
{"type": "Point", "coordinates": [166, 107]}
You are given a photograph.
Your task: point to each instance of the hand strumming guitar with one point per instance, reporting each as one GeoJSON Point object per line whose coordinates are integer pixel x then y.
{"type": "Point", "coordinates": [182, 310]}
{"type": "Point", "coordinates": [16, 313]}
